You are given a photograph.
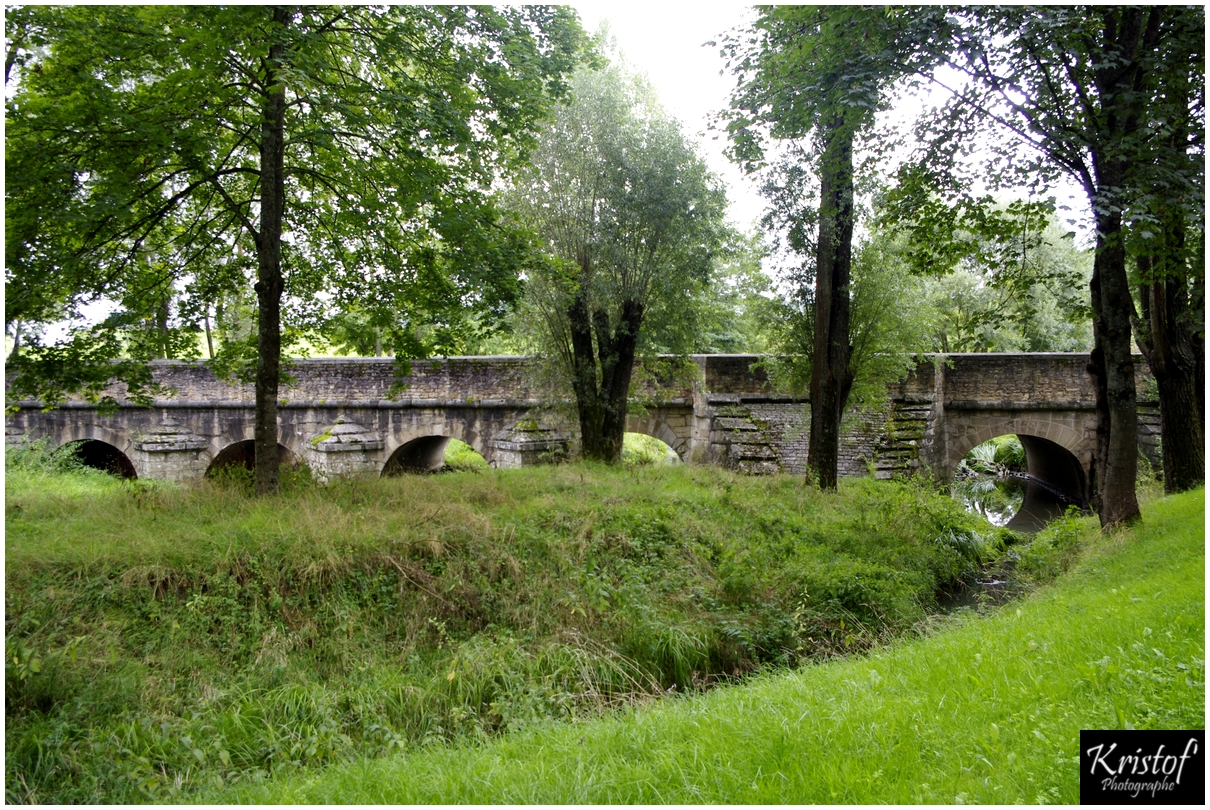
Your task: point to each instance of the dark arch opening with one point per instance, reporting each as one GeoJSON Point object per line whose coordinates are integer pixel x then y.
{"type": "Point", "coordinates": [423, 455]}
{"type": "Point", "coordinates": [1055, 482]}
{"type": "Point", "coordinates": [242, 455]}
{"type": "Point", "coordinates": [100, 456]}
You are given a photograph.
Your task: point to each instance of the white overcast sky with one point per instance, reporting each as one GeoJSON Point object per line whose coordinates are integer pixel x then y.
{"type": "Point", "coordinates": [666, 41]}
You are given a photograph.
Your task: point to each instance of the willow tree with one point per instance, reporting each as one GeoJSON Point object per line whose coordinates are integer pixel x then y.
{"type": "Point", "coordinates": [632, 220]}
{"type": "Point", "coordinates": [819, 74]}
{"type": "Point", "coordinates": [322, 154]}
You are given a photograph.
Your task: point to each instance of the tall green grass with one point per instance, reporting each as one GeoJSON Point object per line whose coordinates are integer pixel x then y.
{"type": "Point", "coordinates": [163, 639]}
{"type": "Point", "coordinates": [983, 710]}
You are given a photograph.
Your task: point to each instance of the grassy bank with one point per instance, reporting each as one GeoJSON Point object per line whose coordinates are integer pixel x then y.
{"type": "Point", "coordinates": [162, 640]}
{"type": "Point", "coordinates": [987, 710]}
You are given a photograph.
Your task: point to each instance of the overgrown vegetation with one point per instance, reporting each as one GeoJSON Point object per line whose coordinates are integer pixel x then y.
{"type": "Point", "coordinates": [983, 711]}
{"type": "Point", "coordinates": [639, 449]}
{"type": "Point", "coordinates": [162, 639]}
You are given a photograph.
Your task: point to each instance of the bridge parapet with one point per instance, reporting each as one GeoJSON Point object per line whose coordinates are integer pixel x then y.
{"type": "Point", "coordinates": [732, 415]}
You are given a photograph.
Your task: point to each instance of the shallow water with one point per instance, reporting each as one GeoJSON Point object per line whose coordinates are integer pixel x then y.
{"type": "Point", "coordinates": [997, 498]}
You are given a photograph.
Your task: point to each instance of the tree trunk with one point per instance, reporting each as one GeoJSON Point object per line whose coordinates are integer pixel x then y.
{"type": "Point", "coordinates": [601, 379]}
{"type": "Point", "coordinates": [209, 337]}
{"type": "Point", "coordinates": [831, 377]}
{"type": "Point", "coordinates": [1115, 465]}
{"type": "Point", "coordinates": [584, 378]}
{"type": "Point", "coordinates": [269, 281]}
{"type": "Point", "coordinates": [616, 370]}
{"type": "Point", "coordinates": [161, 326]}
{"type": "Point", "coordinates": [1197, 304]}
{"type": "Point", "coordinates": [1168, 341]}
{"type": "Point", "coordinates": [1119, 83]}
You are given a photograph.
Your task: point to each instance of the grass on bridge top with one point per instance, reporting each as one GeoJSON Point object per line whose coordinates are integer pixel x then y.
{"type": "Point", "coordinates": [985, 710]}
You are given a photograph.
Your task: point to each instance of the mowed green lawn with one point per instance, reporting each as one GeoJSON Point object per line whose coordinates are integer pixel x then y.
{"type": "Point", "coordinates": [983, 710]}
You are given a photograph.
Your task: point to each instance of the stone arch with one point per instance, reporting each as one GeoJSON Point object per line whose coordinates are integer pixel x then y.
{"type": "Point", "coordinates": [651, 425]}
{"type": "Point", "coordinates": [84, 431]}
{"type": "Point", "coordinates": [422, 454]}
{"type": "Point", "coordinates": [1057, 458]}
{"type": "Point", "coordinates": [1064, 430]}
{"type": "Point", "coordinates": [71, 432]}
{"type": "Point", "coordinates": [102, 455]}
{"type": "Point", "coordinates": [429, 435]}
{"type": "Point", "coordinates": [240, 454]}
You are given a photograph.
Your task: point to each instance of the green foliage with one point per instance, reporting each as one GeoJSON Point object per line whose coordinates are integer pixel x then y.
{"type": "Point", "coordinates": [134, 159]}
{"type": "Point", "coordinates": [165, 639]}
{"type": "Point", "coordinates": [800, 66]}
{"type": "Point", "coordinates": [628, 208]}
{"type": "Point", "coordinates": [735, 313]}
{"type": "Point", "coordinates": [632, 221]}
{"type": "Point", "coordinates": [461, 457]}
{"type": "Point", "coordinates": [983, 710]}
{"type": "Point", "coordinates": [999, 278]}
{"type": "Point", "coordinates": [1054, 549]}
{"type": "Point", "coordinates": [888, 327]}
{"type": "Point", "coordinates": [639, 449]}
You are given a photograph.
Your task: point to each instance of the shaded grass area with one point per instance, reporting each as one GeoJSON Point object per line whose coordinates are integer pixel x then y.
{"type": "Point", "coordinates": [164, 639]}
{"type": "Point", "coordinates": [985, 710]}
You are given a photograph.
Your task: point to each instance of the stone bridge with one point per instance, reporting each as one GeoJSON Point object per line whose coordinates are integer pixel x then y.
{"type": "Point", "coordinates": [338, 418]}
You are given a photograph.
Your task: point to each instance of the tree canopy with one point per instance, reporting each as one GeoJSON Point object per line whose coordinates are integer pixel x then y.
{"type": "Point", "coordinates": [820, 73]}
{"type": "Point", "coordinates": [333, 155]}
{"type": "Point", "coordinates": [633, 222]}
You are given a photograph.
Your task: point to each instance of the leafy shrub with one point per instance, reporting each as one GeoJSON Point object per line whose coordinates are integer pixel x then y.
{"type": "Point", "coordinates": [640, 449]}
{"type": "Point", "coordinates": [461, 457]}
{"type": "Point", "coordinates": [1054, 549]}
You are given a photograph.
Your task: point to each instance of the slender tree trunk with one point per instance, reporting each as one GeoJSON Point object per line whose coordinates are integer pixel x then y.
{"type": "Point", "coordinates": [269, 281]}
{"type": "Point", "coordinates": [161, 326]}
{"type": "Point", "coordinates": [1115, 466]}
{"type": "Point", "coordinates": [209, 337]}
{"type": "Point", "coordinates": [831, 377]}
{"type": "Point", "coordinates": [584, 383]}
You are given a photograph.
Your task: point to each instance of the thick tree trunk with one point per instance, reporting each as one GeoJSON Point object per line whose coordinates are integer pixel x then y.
{"type": "Point", "coordinates": [1168, 341]}
{"type": "Point", "coordinates": [1197, 304]}
{"type": "Point", "coordinates": [601, 379]}
{"type": "Point", "coordinates": [1119, 82]}
{"type": "Point", "coordinates": [831, 377]}
{"type": "Point", "coordinates": [616, 370]}
{"type": "Point", "coordinates": [269, 281]}
{"type": "Point", "coordinates": [1115, 465]}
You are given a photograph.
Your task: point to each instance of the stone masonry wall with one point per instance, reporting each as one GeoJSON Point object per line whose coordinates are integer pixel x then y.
{"type": "Point", "coordinates": [732, 416]}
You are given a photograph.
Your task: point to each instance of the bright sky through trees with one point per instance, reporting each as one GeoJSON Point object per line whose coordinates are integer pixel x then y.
{"type": "Point", "coordinates": [665, 41]}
